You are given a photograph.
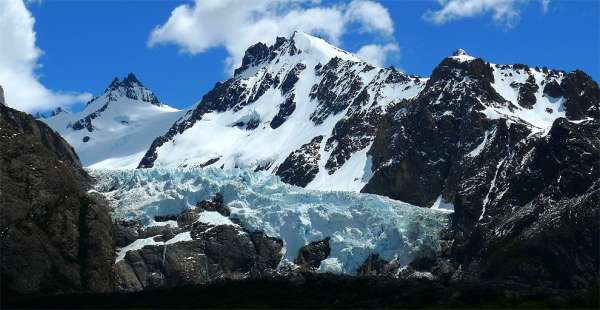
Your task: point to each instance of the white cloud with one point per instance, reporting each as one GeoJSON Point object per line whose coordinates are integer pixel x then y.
{"type": "Point", "coordinates": [372, 16]}
{"type": "Point", "coordinates": [236, 24]}
{"type": "Point", "coordinates": [19, 59]}
{"type": "Point", "coordinates": [504, 12]}
{"type": "Point", "coordinates": [545, 5]}
{"type": "Point", "coordinates": [378, 54]}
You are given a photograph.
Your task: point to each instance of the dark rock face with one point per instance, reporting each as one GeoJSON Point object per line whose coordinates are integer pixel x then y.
{"type": "Point", "coordinates": [374, 266]}
{"type": "Point", "coordinates": [418, 141]}
{"type": "Point", "coordinates": [254, 55]}
{"type": "Point", "coordinates": [213, 253]}
{"type": "Point", "coordinates": [311, 255]}
{"type": "Point", "coordinates": [2, 102]}
{"type": "Point", "coordinates": [291, 78]}
{"type": "Point", "coordinates": [539, 212]}
{"type": "Point", "coordinates": [285, 110]}
{"type": "Point", "coordinates": [216, 204]}
{"type": "Point", "coordinates": [335, 90]}
{"type": "Point", "coordinates": [301, 166]}
{"type": "Point", "coordinates": [553, 89]}
{"type": "Point", "coordinates": [518, 196]}
{"type": "Point", "coordinates": [582, 96]}
{"type": "Point", "coordinates": [55, 237]}
{"type": "Point", "coordinates": [126, 232]}
{"type": "Point", "coordinates": [527, 93]}
{"type": "Point", "coordinates": [86, 122]}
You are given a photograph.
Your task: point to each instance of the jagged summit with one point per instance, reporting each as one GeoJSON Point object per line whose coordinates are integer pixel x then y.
{"type": "Point", "coordinates": [459, 52]}
{"type": "Point", "coordinates": [130, 81]}
{"type": "Point", "coordinates": [299, 44]}
{"type": "Point", "coordinates": [461, 55]}
{"type": "Point", "coordinates": [130, 87]}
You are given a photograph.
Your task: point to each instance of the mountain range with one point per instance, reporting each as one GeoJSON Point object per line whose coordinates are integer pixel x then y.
{"type": "Point", "coordinates": [505, 157]}
{"type": "Point", "coordinates": [310, 113]}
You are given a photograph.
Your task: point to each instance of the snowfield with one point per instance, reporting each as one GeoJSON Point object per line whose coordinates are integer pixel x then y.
{"type": "Point", "coordinates": [358, 224]}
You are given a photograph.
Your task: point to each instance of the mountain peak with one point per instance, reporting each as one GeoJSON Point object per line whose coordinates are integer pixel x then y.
{"type": "Point", "coordinates": [298, 43]}
{"type": "Point", "coordinates": [131, 88]}
{"type": "Point", "coordinates": [461, 55]}
{"type": "Point", "coordinates": [131, 79]}
{"type": "Point", "coordinates": [128, 82]}
{"type": "Point", "coordinates": [319, 47]}
{"type": "Point", "coordinates": [459, 52]}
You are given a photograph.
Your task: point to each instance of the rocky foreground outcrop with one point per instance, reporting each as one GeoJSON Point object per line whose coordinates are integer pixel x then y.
{"type": "Point", "coordinates": [55, 238]}
{"type": "Point", "coordinates": [193, 252]}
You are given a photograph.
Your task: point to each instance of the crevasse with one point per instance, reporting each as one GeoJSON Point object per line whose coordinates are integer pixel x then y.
{"type": "Point", "coordinates": [358, 224]}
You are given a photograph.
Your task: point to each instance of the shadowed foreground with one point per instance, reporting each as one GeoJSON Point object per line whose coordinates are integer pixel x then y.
{"type": "Point", "coordinates": [323, 291]}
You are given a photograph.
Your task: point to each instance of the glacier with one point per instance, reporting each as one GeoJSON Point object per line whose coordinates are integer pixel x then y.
{"type": "Point", "coordinates": [358, 224]}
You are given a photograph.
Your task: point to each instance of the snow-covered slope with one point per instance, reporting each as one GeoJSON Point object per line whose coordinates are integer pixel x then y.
{"type": "Point", "coordinates": [115, 129]}
{"type": "Point", "coordinates": [301, 109]}
{"type": "Point", "coordinates": [358, 224]}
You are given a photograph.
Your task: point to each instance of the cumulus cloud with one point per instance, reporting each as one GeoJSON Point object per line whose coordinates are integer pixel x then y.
{"type": "Point", "coordinates": [504, 12]}
{"type": "Point", "coordinates": [372, 16]}
{"type": "Point", "coordinates": [19, 59]}
{"type": "Point", "coordinates": [378, 54]}
{"type": "Point", "coordinates": [235, 24]}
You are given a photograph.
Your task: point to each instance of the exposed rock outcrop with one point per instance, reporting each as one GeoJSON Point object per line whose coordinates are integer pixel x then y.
{"type": "Point", "coordinates": [212, 251]}
{"type": "Point", "coordinates": [311, 255]}
{"type": "Point", "coordinates": [2, 102]}
{"type": "Point", "coordinates": [55, 237]}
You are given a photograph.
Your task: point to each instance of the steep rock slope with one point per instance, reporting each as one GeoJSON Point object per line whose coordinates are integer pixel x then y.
{"type": "Point", "coordinates": [515, 151]}
{"type": "Point", "coordinates": [116, 128]}
{"type": "Point", "coordinates": [55, 238]}
{"type": "Point", "coordinates": [301, 109]}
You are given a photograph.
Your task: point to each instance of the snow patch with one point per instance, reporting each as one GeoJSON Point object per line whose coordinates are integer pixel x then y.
{"type": "Point", "coordinates": [441, 205]}
{"type": "Point", "coordinates": [214, 218]}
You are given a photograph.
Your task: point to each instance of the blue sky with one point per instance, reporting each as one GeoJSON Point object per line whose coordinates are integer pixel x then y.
{"type": "Point", "coordinates": [87, 43]}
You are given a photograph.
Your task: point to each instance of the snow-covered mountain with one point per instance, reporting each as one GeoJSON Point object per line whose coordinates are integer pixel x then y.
{"type": "Point", "coordinates": [310, 112]}
{"type": "Point", "coordinates": [302, 109]}
{"type": "Point", "coordinates": [513, 150]}
{"type": "Point", "coordinates": [115, 129]}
